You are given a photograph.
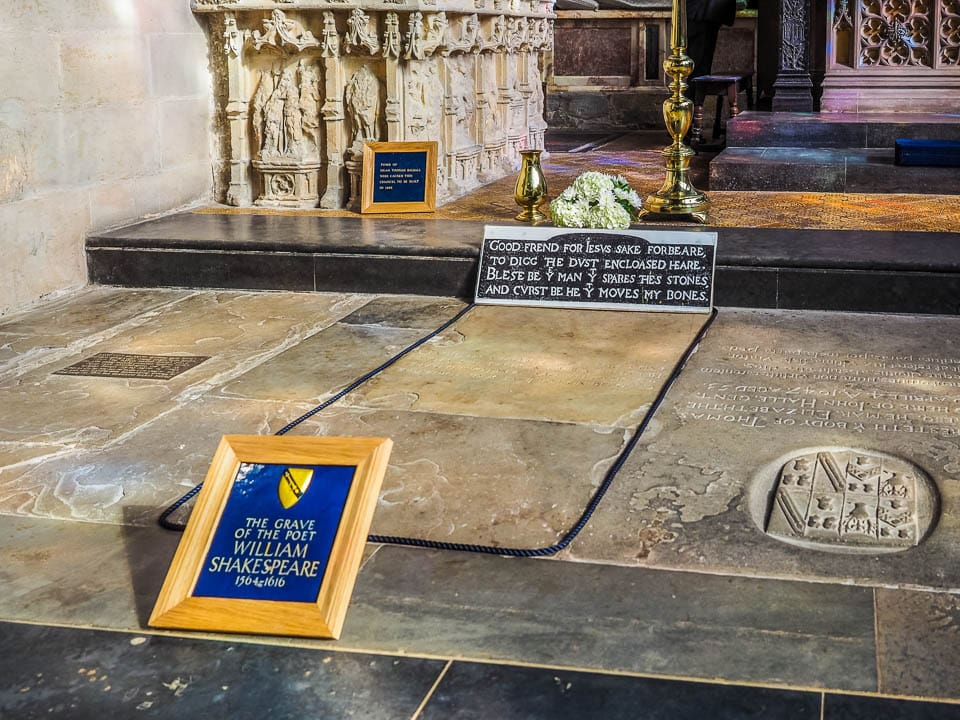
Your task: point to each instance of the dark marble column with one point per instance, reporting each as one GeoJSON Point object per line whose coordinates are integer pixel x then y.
{"type": "Point", "coordinates": [793, 86]}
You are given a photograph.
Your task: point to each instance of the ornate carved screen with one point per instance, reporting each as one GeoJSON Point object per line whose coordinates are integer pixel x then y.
{"type": "Point", "coordinates": [302, 84]}
{"type": "Point", "coordinates": [893, 55]}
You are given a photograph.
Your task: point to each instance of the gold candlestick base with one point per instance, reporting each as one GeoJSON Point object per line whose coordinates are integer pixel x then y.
{"type": "Point", "coordinates": [678, 198]}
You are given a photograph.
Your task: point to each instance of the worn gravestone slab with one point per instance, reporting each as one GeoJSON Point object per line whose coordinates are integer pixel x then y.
{"type": "Point", "coordinates": [800, 445]}
{"type": "Point", "coordinates": [125, 365]}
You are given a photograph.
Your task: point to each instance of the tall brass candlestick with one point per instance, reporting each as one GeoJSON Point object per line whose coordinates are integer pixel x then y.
{"type": "Point", "coordinates": [678, 196]}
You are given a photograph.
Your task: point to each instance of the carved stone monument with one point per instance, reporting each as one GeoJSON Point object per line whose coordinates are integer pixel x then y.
{"type": "Point", "coordinates": [304, 83]}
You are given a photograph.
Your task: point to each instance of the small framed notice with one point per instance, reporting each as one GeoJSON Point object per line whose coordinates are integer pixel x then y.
{"type": "Point", "coordinates": [274, 543]}
{"type": "Point", "coordinates": [399, 177]}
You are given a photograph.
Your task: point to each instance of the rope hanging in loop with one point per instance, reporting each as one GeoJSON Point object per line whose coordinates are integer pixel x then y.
{"type": "Point", "coordinates": [567, 537]}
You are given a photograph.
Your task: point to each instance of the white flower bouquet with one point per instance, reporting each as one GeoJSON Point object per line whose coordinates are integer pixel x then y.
{"type": "Point", "coordinates": [596, 200]}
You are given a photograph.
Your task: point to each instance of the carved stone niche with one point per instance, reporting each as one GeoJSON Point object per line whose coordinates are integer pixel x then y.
{"type": "Point", "coordinates": [892, 55]}
{"type": "Point", "coordinates": [307, 82]}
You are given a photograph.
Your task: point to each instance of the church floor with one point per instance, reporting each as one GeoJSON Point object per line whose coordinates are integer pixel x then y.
{"type": "Point", "coordinates": [677, 601]}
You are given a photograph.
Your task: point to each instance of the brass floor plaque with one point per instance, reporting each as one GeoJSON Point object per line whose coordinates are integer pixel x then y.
{"type": "Point", "coordinates": [850, 500]}
{"type": "Point", "coordinates": [123, 365]}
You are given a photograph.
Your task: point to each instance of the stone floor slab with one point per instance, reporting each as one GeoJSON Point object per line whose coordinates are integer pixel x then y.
{"type": "Point", "coordinates": [577, 366]}
{"type": "Point", "coordinates": [237, 330]}
{"type": "Point", "coordinates": [416, 312]}
{"type": "Point", "coordinates": [27, 337]}
{"type": "Point", "coordinates": [917, 640]}
{"type": "Point", "coordinates": [765, 384]}
{"type": "Point", "coordinates": [423, 603]}
{"type": "Point", "coordinates": [614, 618]}
{"type": "Point", "coordinates": [470, 691]}
{"type": "Point", "coordinates": [71, 674]}
{"type": "Point", "coordinates": [448, 477]}
{"type": "Point", "coordinates": [322, 364]}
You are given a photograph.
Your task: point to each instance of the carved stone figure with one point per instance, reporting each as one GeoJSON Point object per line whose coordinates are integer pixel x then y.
{"type": "Point", "coordinates": [310, 103]}
{"type": "Point", "coordinates": [461, 105]}
{"type": "Point", "coordinates": [260, 98]}
{"type": "Point", "coordinates": [363, 105]}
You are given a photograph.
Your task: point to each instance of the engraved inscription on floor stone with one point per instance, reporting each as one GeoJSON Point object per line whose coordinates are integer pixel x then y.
{"type": "Point", "coordinates": [849, 500]}
{"type": "Point", "coordinates": [123, 365]}
{"type": "Point", "coordinates": [799, 389]}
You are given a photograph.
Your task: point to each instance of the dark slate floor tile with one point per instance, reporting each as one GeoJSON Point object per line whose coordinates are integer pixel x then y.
{"type": "Point", "coordinates": [472, 691]}
{"type": "Point", "coordinates": [918, 635]}
{"type": "Point", "coordinates": [73, 674]}
{"type": "Point", "coordinates": [614, 618]}
{"type": "Point", "coordinates": [852, 707]}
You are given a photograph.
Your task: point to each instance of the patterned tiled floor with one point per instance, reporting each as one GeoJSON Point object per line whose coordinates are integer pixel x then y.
{"type": "Point", "coordinates": [638, 158]}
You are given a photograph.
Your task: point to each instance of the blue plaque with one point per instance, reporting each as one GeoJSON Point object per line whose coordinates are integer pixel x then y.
{"type": "Point", "coordinates": [400, 177]}
{"type": "Point", "coordinates": [276, 532]}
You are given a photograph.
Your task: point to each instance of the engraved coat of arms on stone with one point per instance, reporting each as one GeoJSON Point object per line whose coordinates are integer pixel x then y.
{"type": "Point", "coordinates": [853, 500]}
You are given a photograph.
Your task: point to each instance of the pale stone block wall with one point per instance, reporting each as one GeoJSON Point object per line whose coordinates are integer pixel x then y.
{"type": "Point", "coordinates": [105, 118]}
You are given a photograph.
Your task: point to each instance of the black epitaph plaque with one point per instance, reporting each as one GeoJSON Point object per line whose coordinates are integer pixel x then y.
{"type": "Point", "coordinates": [143, 367]}
{"type": "Point", "coordinates": [668, 271]}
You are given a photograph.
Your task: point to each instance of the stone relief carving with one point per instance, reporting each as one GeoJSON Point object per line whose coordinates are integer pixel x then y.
{"type": "Point", "coordinates": [414, 48]}
{"type": "Point", "coordinates": [310, 98]}
{"type": "Point", "coordinates": [330, 48]}
{"type": "Point", "coordinates": [460, 104]}
{"type": "Point", "coordinates": [895, 32]}
{"type": "Point", "coordinates": [793, 35]}
{"type": "Point", "coordinates": [436, 33]}
{"type": "Point", "coordinates": [392, 42]}
{"type": "Point", "coordinates": [363, 105]}
{"type": "Point", "coordinates": [281, 33]}
{"type": "Point", "coordinates": [232, 38]}
{"type": "Point", "coordinates": [848, 500]}
{"type": "Point", "coordinates": [516, 33]}
{"type": "Point", "coordinates": [468, 37]}
{"type": "Point", "coordinates": [279, 112]}
{"type": "Point", "coordinates": [359, 33]}
{"type": "Point", "coordinates": [296, 105]}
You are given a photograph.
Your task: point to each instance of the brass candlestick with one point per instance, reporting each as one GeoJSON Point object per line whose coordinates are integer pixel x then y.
{"type": "Point", "coordinates": [531, 190]}
{"type": "Point", "coordinates": [678, 196]}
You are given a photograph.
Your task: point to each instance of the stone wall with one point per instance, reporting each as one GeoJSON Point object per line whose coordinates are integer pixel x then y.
{"type": "Point", "coordinates": [105, 117]}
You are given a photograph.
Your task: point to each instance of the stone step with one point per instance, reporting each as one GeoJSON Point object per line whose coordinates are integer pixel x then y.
{"type": "Point", "coordinates": [838, 130]}
{"type": "Point", "coordinates": [870, 271]}
{"type": "Point", "coordinates": [854, 170]}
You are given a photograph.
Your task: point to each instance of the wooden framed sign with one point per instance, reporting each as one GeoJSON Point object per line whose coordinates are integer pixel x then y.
{"type": "Point", "coordinates": [274, 543]}
{"type": "Point", "coordinates": [399, 177]}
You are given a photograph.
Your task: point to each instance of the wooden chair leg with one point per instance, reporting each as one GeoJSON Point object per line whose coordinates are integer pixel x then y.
{"type": "Point", "coordinates": [718, 124]}
{"type": "Point", "coordinates": [732, 97]}
{"type": "Point", "coordinates": [696, 130]}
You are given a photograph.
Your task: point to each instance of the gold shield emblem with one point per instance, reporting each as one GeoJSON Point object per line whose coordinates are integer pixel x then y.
{"type": "Point", "coordinates": [293, 485]}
